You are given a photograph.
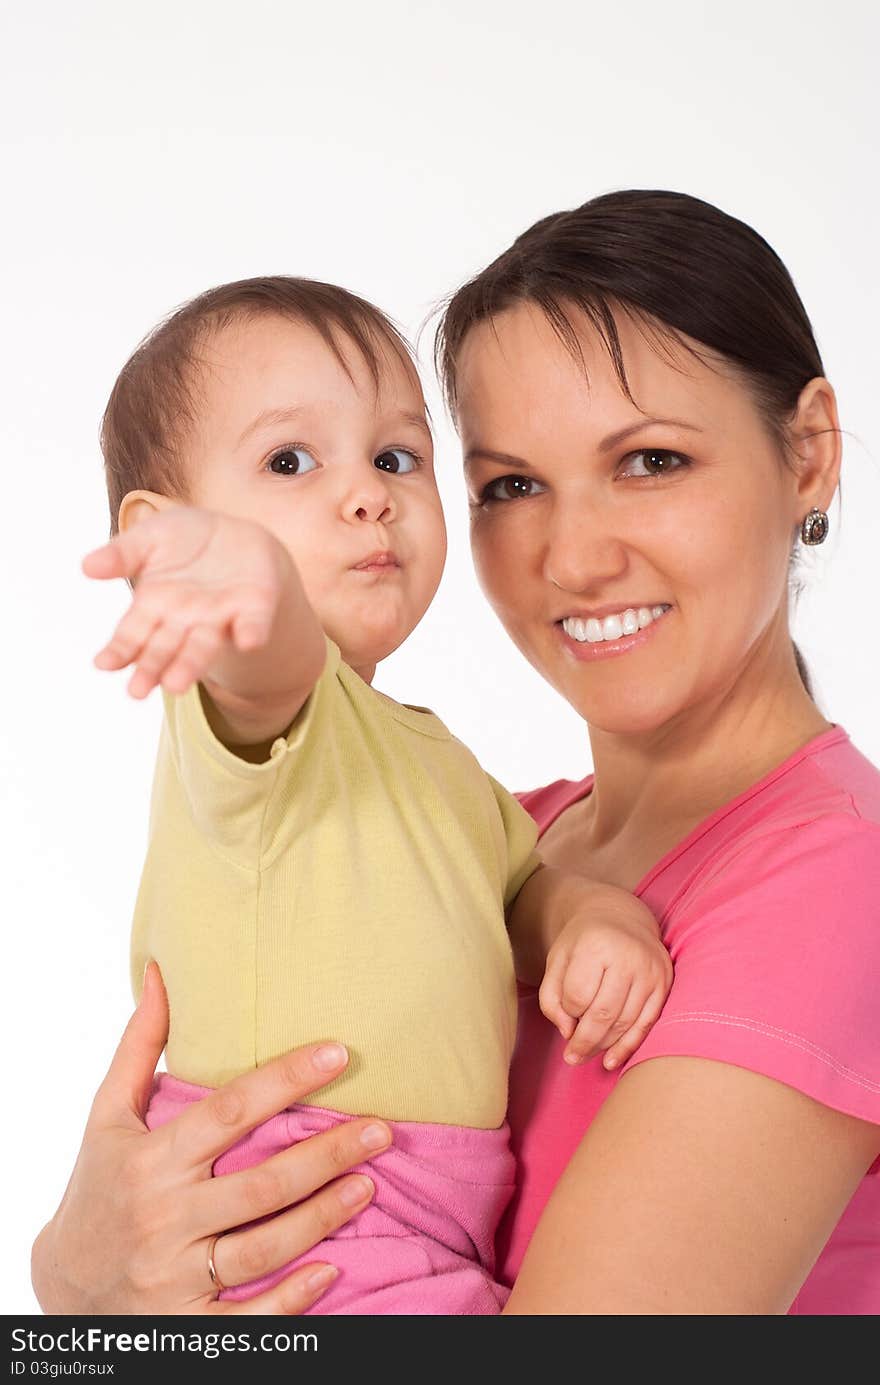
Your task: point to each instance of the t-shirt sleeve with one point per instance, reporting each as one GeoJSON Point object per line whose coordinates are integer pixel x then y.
{"type": "Point", "coordinates": [239, 805]}
{"type": "Point", "coordinates": [777, 963]}
{"type": "Point", "coordinates": [521, 833]}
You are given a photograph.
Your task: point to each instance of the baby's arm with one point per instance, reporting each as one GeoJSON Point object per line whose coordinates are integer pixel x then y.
{"type": "Point", "coordinates": [218, 601]}
{"type": "Point", "coordinates": [605, 971]}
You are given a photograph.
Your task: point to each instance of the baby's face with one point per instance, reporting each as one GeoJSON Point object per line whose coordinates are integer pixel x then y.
{"type": "Point", "coordinates": [340, 472]}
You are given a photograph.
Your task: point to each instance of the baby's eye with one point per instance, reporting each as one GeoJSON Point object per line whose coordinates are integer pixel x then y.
{"type": "Point", "coordinates": [397, 460]}
{"type": "Point", "coordinates": [652, 461]}
{"type": "Point", "coordinates": [512, 487]}
{"type": "Point", "coordinates": [291, 461]}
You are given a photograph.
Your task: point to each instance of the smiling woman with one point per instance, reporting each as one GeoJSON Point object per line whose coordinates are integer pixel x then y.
{"type": "Point", "coordinates": [645, 511]}
{"type": "Point", "coordinates": [648, 435]}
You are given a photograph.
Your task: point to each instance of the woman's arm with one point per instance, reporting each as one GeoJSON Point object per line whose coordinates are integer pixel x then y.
{"type": "Point", "coordinates": [134, 1228]}
{"type": "Point", "coordinates": [700, 1188]}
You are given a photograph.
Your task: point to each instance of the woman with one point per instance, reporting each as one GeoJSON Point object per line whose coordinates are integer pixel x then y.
{"type": "Point", "coordinates": [648, 434]}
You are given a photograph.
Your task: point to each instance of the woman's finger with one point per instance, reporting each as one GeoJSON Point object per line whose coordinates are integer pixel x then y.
{"type": "Point", "coordinates": [206, 1128]}
{"type": "Point", "coordinates": [126, 1088]}
{"type": "Point", "coordinates": [600, 1015]}
{"type": "Point", "coordinates": [294, 1295]}
{"type": "Point", "coordinates": [242, 1256]}
{"type": "Point", "coordinates": [286, 1178]}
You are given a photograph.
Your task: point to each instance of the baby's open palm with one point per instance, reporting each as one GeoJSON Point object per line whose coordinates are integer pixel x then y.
{"type": "Point", "coordinates": [202, 582]}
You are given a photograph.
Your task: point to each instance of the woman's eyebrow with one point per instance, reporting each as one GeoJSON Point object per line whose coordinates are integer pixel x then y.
{"type": "Point", "coordinates": [485, 454]}
{"type": "Point", "coordinates": [613, 439]}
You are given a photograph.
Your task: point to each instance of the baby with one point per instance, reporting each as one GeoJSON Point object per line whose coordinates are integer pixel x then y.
{"type": "Point", "coordinates": [324, 861]}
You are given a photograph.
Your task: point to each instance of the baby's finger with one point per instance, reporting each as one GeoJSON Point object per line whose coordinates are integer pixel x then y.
{"type": "Point", "coordinates": [123, 556]}
{"type": "Point", "coordinates": [160, 651]}
{"type": "Point", "coordinates": [251, 629]}
{"type": "Point", "coordinates": [193, 659]}
{"type": "Point", "coordinates": [128, 639]}
{"type": "Point", "coordinates": [626, 1045]}
{"type": "Point", "coordinates": [598, 1018]}
{"type": "Point", "coordinates": [550, 998]}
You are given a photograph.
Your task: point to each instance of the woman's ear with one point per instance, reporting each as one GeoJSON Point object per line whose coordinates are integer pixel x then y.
{"type": "Point", "coordinates": [815, 439]}
{"type": "Point", "coordinates": [138, 505]}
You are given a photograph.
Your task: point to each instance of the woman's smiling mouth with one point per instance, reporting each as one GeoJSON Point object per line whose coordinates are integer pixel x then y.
{"type": "Point", "coordinates": [591, 637]}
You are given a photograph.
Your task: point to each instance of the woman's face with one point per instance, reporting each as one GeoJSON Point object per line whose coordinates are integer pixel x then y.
{"type": "Point", "coordinates": [638, 556]}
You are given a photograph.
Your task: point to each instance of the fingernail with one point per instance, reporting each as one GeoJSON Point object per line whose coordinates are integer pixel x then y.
{"type": "Point", "coordinates": [375, 1137]}
{"type": "Point", "coordinates": [609, 1063]}
{"type": "Point", "coordinates": [329, 1056]}
{"type": "Point", "coordinates": [356, 1191]}
{"type": "Point", "coordinates": [321, 1278]}
{"type": "Point", "coordinates": [572, 1059]}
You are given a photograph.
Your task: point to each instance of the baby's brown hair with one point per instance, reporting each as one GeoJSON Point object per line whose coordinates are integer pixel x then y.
{"type": "Point", "coordinates": [152, 403]}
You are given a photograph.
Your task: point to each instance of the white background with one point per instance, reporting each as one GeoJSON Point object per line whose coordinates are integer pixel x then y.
{"type": "Point", "coordinates": [149, 151]}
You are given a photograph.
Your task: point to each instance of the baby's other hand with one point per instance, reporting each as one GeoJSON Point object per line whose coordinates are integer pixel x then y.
{"type": "Point", "coordinates": [606, 979]}
{"type": "Point", "coordinates": [202, 582]}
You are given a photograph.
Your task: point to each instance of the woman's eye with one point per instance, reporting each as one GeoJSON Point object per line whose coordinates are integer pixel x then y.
{"type": "Point", "coordinates": [510, 488]}
{"type": "Point", "coordinates": [291, 461]}
{"type": "Point", "coordinates": [653, 461]}
{"type": "Point", "coordinates": [397, 460]}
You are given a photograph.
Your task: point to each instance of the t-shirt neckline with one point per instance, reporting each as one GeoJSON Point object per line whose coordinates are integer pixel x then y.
{"type": "Point", "coordinates": [583, 789]}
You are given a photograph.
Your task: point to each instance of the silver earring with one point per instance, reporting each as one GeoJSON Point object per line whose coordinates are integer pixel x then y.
{"type": "Point", "coordinates": [815, 527]}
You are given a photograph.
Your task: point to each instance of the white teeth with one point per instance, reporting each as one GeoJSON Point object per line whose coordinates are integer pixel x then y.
{"type": "Point", "coordinates": [627, 622]}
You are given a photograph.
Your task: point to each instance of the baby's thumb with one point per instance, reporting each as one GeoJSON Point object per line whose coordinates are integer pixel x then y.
{"type": "Point", "coordinates": [550, 1001]}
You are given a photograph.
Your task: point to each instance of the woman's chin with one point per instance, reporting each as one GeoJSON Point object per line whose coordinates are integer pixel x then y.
{"type": "Point", "coordinates": [629, 710]}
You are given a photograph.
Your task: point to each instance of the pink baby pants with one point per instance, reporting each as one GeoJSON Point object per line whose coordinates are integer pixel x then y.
{"type": "Point", "coordinates": [424, 1245]}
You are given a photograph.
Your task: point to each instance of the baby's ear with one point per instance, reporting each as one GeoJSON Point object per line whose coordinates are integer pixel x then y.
{"type": "Point", "coordinates": [138, 505]}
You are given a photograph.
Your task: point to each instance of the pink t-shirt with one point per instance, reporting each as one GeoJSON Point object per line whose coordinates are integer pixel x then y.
{"type": "Point", "coordinates": [771, 913]}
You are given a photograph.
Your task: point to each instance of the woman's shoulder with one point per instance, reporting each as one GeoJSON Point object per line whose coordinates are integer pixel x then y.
{"type": "Point", "coordinates": [772, 919]}
{"type": "Point", "coordinates": [846, 775]}
{"type": "Point", "coordinates": [827, 778]}
{"type": "Point", "coordinates": [819, 808]}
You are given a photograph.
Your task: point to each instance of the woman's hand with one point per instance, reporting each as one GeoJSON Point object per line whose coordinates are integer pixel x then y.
{"type": "Point", "coordinates": [135, 1226]}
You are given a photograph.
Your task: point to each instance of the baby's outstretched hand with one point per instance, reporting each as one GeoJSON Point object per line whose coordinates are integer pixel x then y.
{"type": "Point", "coordinates": [203, 581]}
{"type": "Point", "coordinates": [607, 977]}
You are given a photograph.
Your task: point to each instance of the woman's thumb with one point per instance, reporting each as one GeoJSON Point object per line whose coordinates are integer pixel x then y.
{"type": "Point", "coordinates": [129, 1080]}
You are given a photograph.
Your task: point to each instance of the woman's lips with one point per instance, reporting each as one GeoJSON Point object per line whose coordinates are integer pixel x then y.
{"type": "Point", "coordinates": [585, 649]}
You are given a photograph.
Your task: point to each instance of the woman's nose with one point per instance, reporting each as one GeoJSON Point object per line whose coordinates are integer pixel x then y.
{"type": "Point", "coordinates": [583, 553]}
{"type": "Point", "coordinates": [369, 499]}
